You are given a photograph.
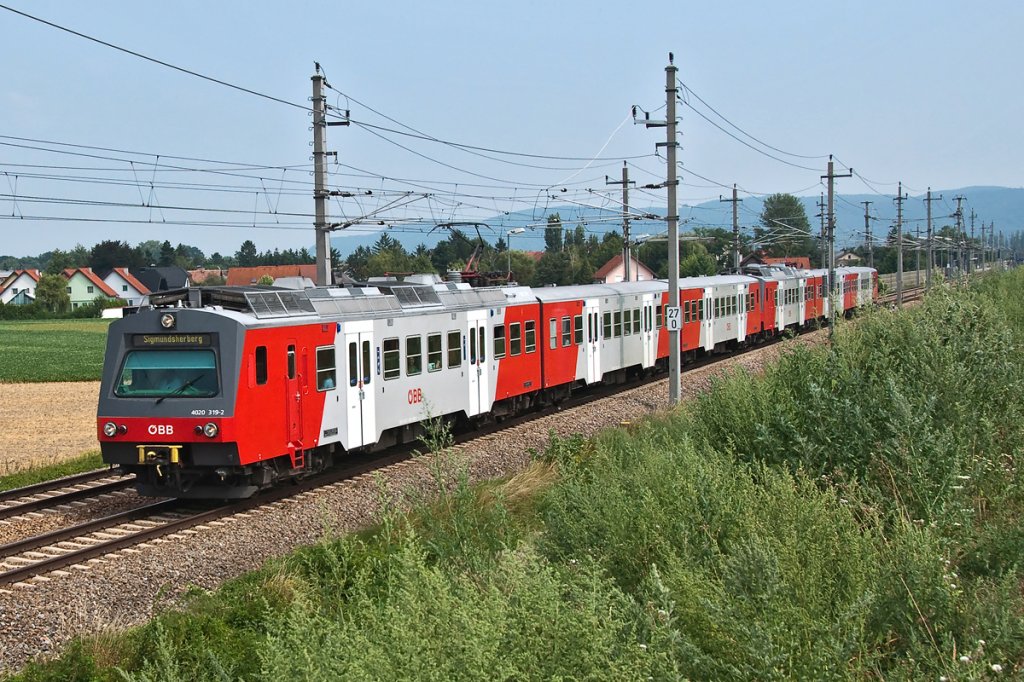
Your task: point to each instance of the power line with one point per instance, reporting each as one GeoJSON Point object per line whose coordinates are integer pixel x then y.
{"type": "Point", "coordinates": [781, 151]}
{"type": "Point", "coordinates": [425, 136]}
{"type": "Point", "coordinates": [747, 144]}
{"type": "Point", "coordinates": [155, 61]}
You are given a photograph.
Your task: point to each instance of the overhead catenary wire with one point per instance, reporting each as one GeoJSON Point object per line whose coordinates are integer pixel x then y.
{"type": "Point", "coordinates": [160, 62]}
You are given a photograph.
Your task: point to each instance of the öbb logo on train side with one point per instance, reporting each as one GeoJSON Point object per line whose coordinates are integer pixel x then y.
{"type": "Point", "coordinates": [415, 395]}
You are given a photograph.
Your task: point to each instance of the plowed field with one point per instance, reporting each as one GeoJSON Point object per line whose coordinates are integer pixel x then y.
{"type": "Point", "coordinates": [46, 423]}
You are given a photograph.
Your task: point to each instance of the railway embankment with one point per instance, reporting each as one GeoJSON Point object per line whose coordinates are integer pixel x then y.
{"type": "Point", "coordinates": [851, 511]}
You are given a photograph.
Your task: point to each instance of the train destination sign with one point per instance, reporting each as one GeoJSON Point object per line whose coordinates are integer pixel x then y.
{"type": "Point", "coordinates": [166, 340]}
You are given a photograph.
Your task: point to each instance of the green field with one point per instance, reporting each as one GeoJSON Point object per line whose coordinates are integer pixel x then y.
{"type": "Point", "coordinates": [52, 350]}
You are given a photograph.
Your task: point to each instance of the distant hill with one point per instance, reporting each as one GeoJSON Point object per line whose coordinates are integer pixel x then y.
{"type": "Point", "coordinates": [1003, 205]}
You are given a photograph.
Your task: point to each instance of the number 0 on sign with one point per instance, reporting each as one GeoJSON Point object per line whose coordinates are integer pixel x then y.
{"type": "Point", "coordinates": [673, 320]}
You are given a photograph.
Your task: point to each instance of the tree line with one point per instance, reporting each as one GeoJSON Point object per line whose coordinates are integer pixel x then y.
{"type": "Point", "coordinates": [571, 255]}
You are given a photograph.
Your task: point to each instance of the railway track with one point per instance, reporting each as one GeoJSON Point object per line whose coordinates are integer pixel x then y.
{"type": "Point", "coordinates": [49, 494]}
{"type": "Point", "coordinates": [79, 545]}
{"type": "Point", "coordinates": [911, 294]}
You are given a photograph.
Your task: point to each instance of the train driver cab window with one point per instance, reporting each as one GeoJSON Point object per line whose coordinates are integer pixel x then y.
{"type": "Point", "coordinates": [499, 341]}
{"type": "Point", "coordinates": [515, 339]}
{"type": "Point", "coordinates": [392, 359]}
{"type": "Point", "coordinates": [326, 378]}
{"type": "Point", "coordinates": [433, 352]}
{"type": "Point", "coordinates": [454, 349]}
{"type": "Point", "coordinates": [530, 334]}
{"type": "Point", "coordinates": [168, 374]}
{"type": "Point", "coordinates": [261, 365]}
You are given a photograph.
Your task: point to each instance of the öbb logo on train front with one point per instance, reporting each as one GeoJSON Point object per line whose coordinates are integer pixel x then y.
{"type": "Point", "coordinates": [161, 429]}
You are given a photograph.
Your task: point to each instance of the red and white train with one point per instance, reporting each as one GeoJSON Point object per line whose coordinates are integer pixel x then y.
{"type": "Point", "coordinates": [220, 392]}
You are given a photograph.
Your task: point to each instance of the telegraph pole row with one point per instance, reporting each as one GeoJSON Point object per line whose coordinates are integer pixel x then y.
{"type": "Point", "coordinates": [931, 239]}
{"type": "Point", "coordinates": [900, 198]}
{"type": "Point", "coordinates": [832, 288]}
{"type": "Point", "coordinates": [735, 229]}
{"type": "Point", "coordinates": [626, 255]}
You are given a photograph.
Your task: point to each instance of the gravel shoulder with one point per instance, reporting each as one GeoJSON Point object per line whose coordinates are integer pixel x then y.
{"type": "Point", "coordinates": [126, 589]}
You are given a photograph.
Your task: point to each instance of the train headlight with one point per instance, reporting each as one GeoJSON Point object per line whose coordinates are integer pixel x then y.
{"type": "Point", "coordinates": [167, 320]}
{"type": "Point", "coordinates": [110, 429]}
{"type": "Point", "coordinates": [210, 430]}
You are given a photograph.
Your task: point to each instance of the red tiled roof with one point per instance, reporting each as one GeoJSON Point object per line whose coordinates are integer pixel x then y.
{"type": "Point", "coordinates": [616, 261]}
{"type": "Point", "coordinates": [799, 262]}
{"type": "Point", "coordinates": [130, 278]}
{"type": "Point", "coordinates": [199, 275]}
{"type": "Point", "coordinates": [92, 277]}
{"type": "Point", "coordinates": [605, 269]}
{"type": "Point", "coordinates": [34, 274]}
{"type": "Point", "coordinates": [247, 276]}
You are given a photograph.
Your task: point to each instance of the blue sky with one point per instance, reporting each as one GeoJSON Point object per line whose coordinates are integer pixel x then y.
{"type": "Point", "coordinates": [923, 92]}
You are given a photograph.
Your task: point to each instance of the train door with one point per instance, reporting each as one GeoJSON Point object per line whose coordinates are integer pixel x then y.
{"type": "Point", "coordinates": [476, 367]}
{"type": "Point", "coordinates": [650, 337]}
{"type": "Point", "coordinates": [361, 418]}
{"type": "Point", "coordinates": [592, 341]}
{"type": "Point", "coordinates": [293, 392]}
{"type": "Point", "coordinates": [707, 325]}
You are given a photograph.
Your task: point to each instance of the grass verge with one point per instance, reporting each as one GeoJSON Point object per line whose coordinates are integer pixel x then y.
{"type": "Point", "coordinates": [68, 467]}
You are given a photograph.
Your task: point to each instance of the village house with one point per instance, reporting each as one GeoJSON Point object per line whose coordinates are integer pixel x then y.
{"type": "Point", "coordinates": [126, 286]}
{"type": "Point", "coordinates": [19, 287]}
{"type": "Point", "coordinates": [84, 286]}
{"type": "Point", "coordinates": [615, 271]}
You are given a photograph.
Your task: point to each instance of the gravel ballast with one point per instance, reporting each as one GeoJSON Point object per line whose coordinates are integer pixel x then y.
{"type": "Point", "coordinates": [124, 589]}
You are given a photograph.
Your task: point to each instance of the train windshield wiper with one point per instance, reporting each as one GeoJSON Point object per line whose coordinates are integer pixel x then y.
{"type": "Point", "coordinates": [180, 389]}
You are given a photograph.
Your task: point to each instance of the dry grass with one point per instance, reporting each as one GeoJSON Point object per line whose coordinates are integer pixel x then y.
{"type": "Point", "coordinates": [43, 424]}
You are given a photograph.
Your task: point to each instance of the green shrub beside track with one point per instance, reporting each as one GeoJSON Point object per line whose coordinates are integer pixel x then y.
{"type": "Point", "coordinates": [52, 350]}
{"type": "Point", "coordinates": [852, 514]}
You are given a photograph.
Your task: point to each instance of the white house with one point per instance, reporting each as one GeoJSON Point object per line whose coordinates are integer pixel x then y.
{"type": "Point", "coordinates": [18, 282]}
{"type": "Point", "coordinates": [615, 271]}
{"type": "Point", "coordinates": [126, 286]}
